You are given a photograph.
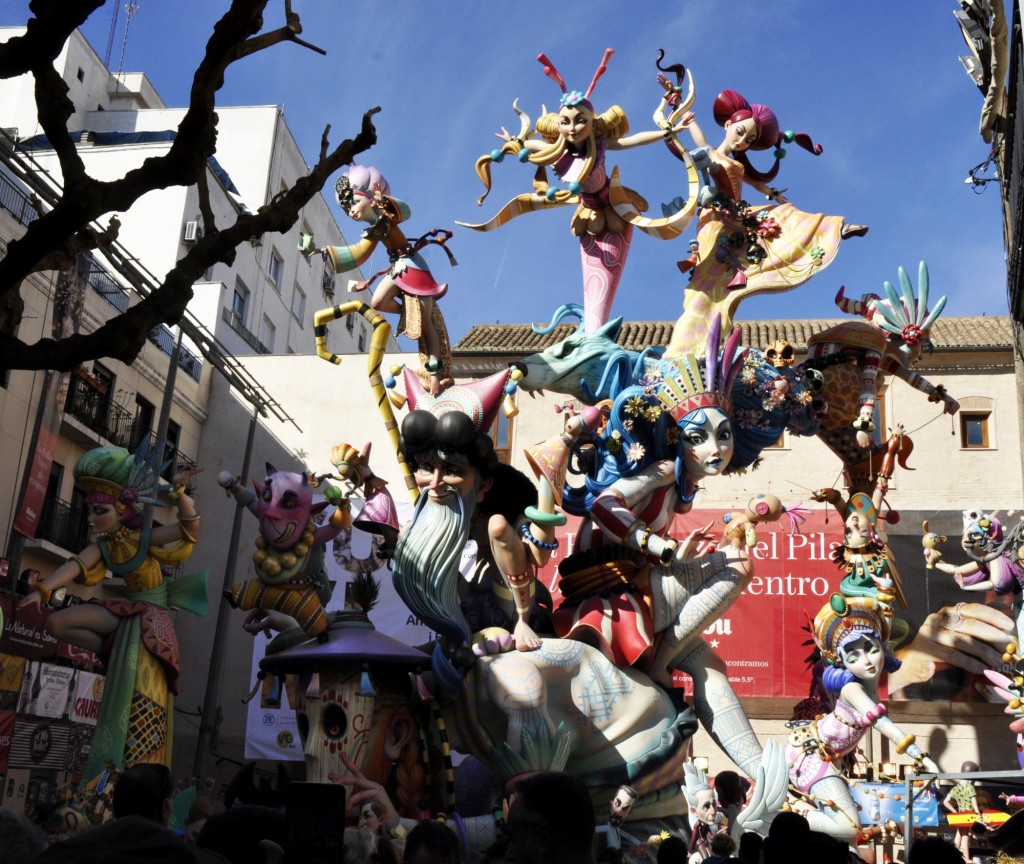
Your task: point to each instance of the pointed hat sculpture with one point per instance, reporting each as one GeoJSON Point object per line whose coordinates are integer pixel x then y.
{"type": "Point", "coordinates": [478, 400]}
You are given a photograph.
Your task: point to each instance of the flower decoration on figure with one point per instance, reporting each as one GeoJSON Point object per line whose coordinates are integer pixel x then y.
{"type": "Point", "coordinates": [852, 635]}
{"type": "Point", "coordinates": [407, 287]}
{"type": "Point", "coordinates": [134, 635]}
{"type": "Point", "coordinates": [745, 249]}
{"type": "Point", "coordinates": [289, 556]}
{"type": "Point", "coordinates": [573, 142]}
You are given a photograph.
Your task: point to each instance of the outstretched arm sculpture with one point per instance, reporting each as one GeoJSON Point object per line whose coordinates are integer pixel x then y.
{"type": "Point", "coordinates": [134, 635]}
{"type": "Point", "coordinates": [745, 249]}
{"type": "Point", "coordinates": [573, 142]}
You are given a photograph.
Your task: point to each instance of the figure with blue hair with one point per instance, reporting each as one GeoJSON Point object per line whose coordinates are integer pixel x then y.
{"type": "Point", "coordinates": [852, 634]}
{"type": "Point", "coordinates": [634, 591]}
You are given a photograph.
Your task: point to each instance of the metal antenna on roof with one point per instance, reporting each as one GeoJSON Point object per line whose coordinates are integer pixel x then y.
{"type": "Point", "coordinates": [131, 9]}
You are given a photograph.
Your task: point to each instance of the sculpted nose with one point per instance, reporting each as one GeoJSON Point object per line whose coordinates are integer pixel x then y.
{"type": "Point", "coordinates": [435, 478]}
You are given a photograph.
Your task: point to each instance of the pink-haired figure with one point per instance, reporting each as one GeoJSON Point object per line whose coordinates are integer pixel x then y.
{"type": "Point", "coordinates": [407, 287]}
{"type": "Point", "coordinates": [746, 249]}
{"type": "Point", "coordinates": [573, 142]}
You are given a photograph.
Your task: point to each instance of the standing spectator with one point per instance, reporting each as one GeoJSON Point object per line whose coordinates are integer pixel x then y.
{"type": "Point", "coordinates": [550, 821]}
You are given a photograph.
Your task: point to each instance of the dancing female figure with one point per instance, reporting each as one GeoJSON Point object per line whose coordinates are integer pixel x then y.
{"type": "Point", "coordinates": [853, 637]}
{"type": "Point", "coordinates": [687, 420]}
{"type": "Point", "coordinates": [744, 249]}
{"type": "Point", "coordinates": [365, 195]}
{"type": "Point", "coordinates": [573, 142]}
{"type": "Point", "coordinates": [133, 635]}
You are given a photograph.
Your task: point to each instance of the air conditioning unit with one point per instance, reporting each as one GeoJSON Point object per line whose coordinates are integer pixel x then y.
{"type": "Point", "coordinates": [192, 232]}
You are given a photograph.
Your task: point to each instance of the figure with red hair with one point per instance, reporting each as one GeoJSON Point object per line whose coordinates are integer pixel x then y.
{"type": "Point", "coordinates": [748, 248]}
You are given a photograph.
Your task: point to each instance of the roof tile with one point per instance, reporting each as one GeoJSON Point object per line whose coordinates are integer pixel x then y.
{"type": "Point", "coordinates": [980, 331]}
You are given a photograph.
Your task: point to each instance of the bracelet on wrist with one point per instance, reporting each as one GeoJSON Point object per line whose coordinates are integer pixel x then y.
{"type": "Point", "coordinates": [905, 742]}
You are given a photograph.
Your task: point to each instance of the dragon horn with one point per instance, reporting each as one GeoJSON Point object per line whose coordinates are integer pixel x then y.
{"type": "Point", "coordinates": [551, 71]}
{"type": "Point", "coordinates": [601, 69]}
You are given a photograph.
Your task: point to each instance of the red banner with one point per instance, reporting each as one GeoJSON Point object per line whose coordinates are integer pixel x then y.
{"type": "Point", "coordinates": [24, 634]}
{"type": "Point", "coordinates": [761, 636]}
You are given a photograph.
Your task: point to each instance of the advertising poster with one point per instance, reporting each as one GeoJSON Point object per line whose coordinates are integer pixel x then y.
{"type": "Point", "coordinates": [86, 696]}
{"type": "Point", "coordinates": [794, 577]}
{"type": "Point", "coordinates": [880, 802]}
{"type": "Point", "coordinates": [79, 742]}
{"type": "Point", "coordinates": [45, 690]}
{"type": "Point", "coordinates": [24, 634]}
{"type": "Point", "coordinates": [39, 744]}
{"type": "Point", "coordinates": [16, 788]}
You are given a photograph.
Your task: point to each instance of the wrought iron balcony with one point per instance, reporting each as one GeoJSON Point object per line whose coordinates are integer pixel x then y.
{"type": "Point", "coordinates": [63, 525]}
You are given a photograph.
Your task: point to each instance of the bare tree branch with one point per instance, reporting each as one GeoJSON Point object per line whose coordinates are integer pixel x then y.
{"type": "Point", "coordinates": [123, 337]}
{"type": "Point", "coordinates": [87, 199]}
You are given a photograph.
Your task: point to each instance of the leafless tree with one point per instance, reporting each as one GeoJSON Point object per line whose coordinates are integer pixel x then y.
{"type": "Point", "coordinates": [58, 234]}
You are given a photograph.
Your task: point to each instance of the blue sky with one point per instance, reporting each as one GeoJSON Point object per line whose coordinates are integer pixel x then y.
{"type": "Point", "coordinates": [881, 90]}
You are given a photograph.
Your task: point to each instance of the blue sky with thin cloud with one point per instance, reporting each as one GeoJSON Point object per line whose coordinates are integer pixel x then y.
{"type": "Point", "coordinates": [878, 85]}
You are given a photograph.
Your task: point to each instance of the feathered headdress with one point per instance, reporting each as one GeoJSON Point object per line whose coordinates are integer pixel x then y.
{"type": "Point", "coordinates": [687, 385]}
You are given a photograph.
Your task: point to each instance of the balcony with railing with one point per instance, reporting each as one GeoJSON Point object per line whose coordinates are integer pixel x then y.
{"type": "Point", "coordinates": [64, 526]}
{"type": "Point", "coordinates": [16, 202]}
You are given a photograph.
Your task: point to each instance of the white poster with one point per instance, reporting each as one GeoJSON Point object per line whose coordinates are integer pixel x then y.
{"type": "Point", "coordinates": [45, 689]}
{"type": "Point", "coordinates": [88, 693]}
{"type": "Point", "coordinates": [271, 728]}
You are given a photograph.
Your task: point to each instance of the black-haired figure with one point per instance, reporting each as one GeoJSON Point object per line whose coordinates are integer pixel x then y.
{"type": "Point", "coordinates": [468, 559]}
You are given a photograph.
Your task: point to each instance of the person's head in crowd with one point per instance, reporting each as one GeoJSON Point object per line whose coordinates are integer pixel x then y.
{"type": "Point", "coordinates": [495, 853]}
{"type": "Point", "coordinates": [823, 849]}
{"type": "Point", "coordinates": [729, 789]}
{"type": "Point", "coordinates": [20, 840]}
{"type": "Point", "coordinates": [750, 847]}
{"type": "Point", "coordinates": [785, 836]}
{"type": "Point", "coordinates": [934, 850]}
{"type": "Point", "coordinates": [722, 845]}
{"type": "Point", "coordinates": [144, 790]}
{"type": "Point", "coordinates": [672, 850]}
{"type": "Point", "coordinates": [551, 820]}
{"type": "Point", "coordinates": [431, 843]}
{"type": "Point", "coordinates": [237, 833]}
